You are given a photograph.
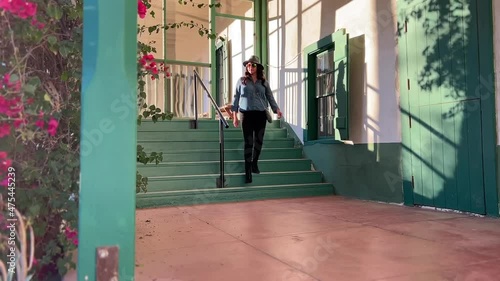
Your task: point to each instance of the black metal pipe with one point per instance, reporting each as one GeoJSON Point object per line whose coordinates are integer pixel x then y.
{"type": "Point", "coordinates": [221, 181]}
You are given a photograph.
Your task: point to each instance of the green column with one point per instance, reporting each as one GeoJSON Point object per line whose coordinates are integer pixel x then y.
{"type": "Point", "coordinates": [108, 135]}
{"type": "Point", "coordinates": [264, 35]}
{"type": "Point", "coordinates": [257, 13]}
{"type": "Point", "coordinates": [213, 64]}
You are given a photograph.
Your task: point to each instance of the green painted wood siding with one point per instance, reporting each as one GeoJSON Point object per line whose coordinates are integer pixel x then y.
{"type": "Point", "coordinates": [442, 107]}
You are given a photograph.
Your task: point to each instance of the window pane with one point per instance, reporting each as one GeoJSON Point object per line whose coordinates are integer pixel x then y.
{"type": "Point", "coordinates": [324, 61]}
{"type": "Point", "coordinates": [325, 74]}
{"type": "Point", "coordinates": [236, 7]}
{"type": "Point", "coordinates": [330, 114]}
{"type": "Point", "coordinates": [319, 87]}
{"type": "Point", "coordinates": [326, 115]}
{"type": "Point", "coordinates": [184, 43]}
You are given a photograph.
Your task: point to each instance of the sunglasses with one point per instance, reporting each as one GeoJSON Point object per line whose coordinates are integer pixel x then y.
{"type": "Point", "coordinates": [252, 64]}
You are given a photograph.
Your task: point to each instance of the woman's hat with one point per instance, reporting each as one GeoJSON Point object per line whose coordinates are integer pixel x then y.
{"type": "Point", "coordinates": [253, 59]}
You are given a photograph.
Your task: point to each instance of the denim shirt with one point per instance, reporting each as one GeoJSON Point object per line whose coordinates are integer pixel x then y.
{"type": "Point", "coordinates": [253, 97]}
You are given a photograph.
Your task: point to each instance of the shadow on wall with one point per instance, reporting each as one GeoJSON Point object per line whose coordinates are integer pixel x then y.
{"type": "Point", "coordinates": [368, 171]}
{"type": "Point", "coordinates": [444, 147]}
{"type": "Point", "coordinates": [367, 168]}
{"type": "Point", "coordinates": [357, 84]}
{"type": "Point", "coordinates": [287, 71]}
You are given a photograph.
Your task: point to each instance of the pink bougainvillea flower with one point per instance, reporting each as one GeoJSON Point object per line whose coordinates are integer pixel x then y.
{"type": "Point", "coordinates": [71, 235]}
{"type": "Point", "coordinates": [52, 127]}
{"type": "Point", "coordinates": [19, 122]}
{"type": "Point", "coordinates": [40, 124]}
{"type": "Point", "coordinates": [6, 78]}
{"type": "Point", "coordinates": [141, 9]}
{"type": "Point", "coordinates": [3, 155]}
{"type": "Point", "coordinates": [20, 8]}
{"type": "Point", "coordinates": [5, 164]}
{"type": "Point", "coordinates": [4, 130]}
{"type": "Point", "coordinates": [10, 107]}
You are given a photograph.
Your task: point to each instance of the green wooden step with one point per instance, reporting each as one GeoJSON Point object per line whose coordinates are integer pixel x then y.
{"type": "Point", "coordinates": [169, 146]}
{"type": "Point", "coordinates": [195, 135]}
{"type": "Point", "coordinates": [184, 124]}
{"type": "Point", "coordinates": [212, 167]}
{"type": "Point", "coordinates": [231, 194]}
{"type": "Point", "coordinates": [170, 183]}
{"type": "Point", "coordinates": [230, 154]}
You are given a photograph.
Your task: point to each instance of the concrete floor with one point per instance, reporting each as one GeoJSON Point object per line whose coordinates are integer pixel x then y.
{"type": "Point", "coordinates": [322, 238]}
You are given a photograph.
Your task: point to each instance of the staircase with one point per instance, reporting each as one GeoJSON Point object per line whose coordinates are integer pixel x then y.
{"type": "Point", "coordinates": [190, 168]}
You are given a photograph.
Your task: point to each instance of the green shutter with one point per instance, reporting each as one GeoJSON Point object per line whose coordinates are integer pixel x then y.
{"type": "Point", "coordinates": [341, 62]}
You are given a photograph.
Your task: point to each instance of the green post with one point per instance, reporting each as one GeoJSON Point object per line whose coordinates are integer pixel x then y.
{"type": "Point", "coordinates": [257, 13]}
{"type": "Point", "coordinates": [264, 35]}
{"type": "Point", "coordinates": [108, 136]}
{"type": "Point", "coordinates": [213, 65]}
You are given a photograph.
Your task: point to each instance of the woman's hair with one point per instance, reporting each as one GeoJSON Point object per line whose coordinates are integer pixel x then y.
{"type": "Point", "coordinates": [260, 76]}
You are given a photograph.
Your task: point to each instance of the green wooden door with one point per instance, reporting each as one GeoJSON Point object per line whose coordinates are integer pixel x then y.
{"type": "Point", "coordinates": [444, 109]}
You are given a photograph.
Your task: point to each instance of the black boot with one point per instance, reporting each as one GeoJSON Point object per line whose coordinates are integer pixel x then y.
{"type": "Point", "coordinates": [255, 168]}
{"type": "Point", "coordinates": [248, 172]}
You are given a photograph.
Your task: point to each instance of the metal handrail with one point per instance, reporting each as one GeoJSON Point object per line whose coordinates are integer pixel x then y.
{"type": "Point", "coordinates": [221, 181]}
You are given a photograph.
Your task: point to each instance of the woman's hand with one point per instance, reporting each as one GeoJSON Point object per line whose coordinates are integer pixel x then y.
{"type": "Point", "coordinates": [236, 122]}
{"type": "Point", "coordinates": [280, 114]}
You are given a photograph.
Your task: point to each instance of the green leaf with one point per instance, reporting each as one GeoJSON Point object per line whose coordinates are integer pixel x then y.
{"type": "Point", "coordinates": [14, 78]}
{"type": "Point", "coordinates": [64, 51]}
{"type": "Point", "coordinates": [65, 76]}
{"type": "Point", "coordinates": [30, 89]}
{"type": "Point", "coordinates": [52, 39]}
{"type": "Point", "coordinates": [54, 11]}
{"type": "Point", "coordinates": [152, 28]}
{"type": "Point", "coordinates": [34, 209]}
{"type": "Point", "coordinates": [46, 97]}
{"type": "Point", "coordinates": [35, 81]}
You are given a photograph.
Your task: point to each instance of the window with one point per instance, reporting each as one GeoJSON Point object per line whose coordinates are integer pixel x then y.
{"type": "Point", "coordinates": [327, 99]}
{"type": "Point", "coordinates": [222, 73]}
{"type": "Point", "coordinates": [325, 93]}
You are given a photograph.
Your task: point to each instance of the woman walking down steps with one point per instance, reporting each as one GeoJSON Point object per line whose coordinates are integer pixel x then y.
{"type": "Point", "coordinates": [253, 94]}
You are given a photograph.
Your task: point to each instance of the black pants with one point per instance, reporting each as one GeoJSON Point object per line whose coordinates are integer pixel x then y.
{"type": "Point", "coordinates": [254, 127]}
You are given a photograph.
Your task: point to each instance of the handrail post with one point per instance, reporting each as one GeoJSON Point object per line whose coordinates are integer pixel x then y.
{"type": "Point", "coordinates": [222, 180]}
{"type": "Point", "coordinates": [195, 125]}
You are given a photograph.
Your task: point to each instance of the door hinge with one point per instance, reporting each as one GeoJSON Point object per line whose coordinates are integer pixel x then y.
{"type": "Point", "coordinates": [409, 120]}
{"type": "Point", "coordinates": [412, 182]}
{"type": "Point", "coordinates": [408, 84]}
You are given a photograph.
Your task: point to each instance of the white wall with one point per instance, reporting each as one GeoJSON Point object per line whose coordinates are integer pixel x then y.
{"type": "Point", "coordinates": [496, 35]}
{"type": "Point", "coordinates": [293, 25]}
